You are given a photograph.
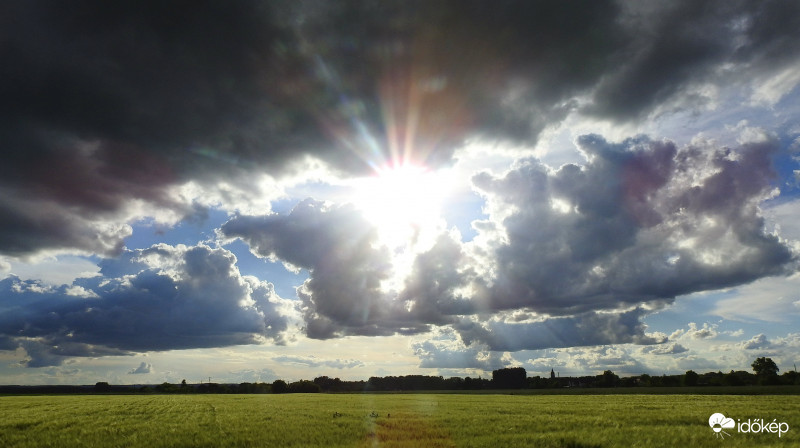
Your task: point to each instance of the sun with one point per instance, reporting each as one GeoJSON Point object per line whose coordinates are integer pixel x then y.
{"type": "Point", "coordinates": [403, 202]}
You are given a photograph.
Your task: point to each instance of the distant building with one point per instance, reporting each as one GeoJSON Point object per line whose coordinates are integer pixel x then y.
{"type": "Point", "coordinates": [552, 374]}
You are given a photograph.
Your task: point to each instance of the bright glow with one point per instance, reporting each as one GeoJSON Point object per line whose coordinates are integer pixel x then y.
{"type": "Point", "coordinates": [561, 205]}
{"type": "Point", "coordinates": [402, 201]}
{"type": "Point", "coordinates": [405, 204]}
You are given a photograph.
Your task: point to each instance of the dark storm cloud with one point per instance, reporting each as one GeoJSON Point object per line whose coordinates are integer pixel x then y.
{"type": "Point", "coordinates": [676, 44]}
{"type": "Point", "coordinates": [642, 221]}
{"type": "Point", "coordinates": [186, 298]}
{"type": "Point", "coordinates": [196, 83]}
{"type": "Point", "coordinates": [771, 31]}
{"type": "Point", "coordinates": [103, 103]}
{"type": "Point", "coordinates": [680, 45]}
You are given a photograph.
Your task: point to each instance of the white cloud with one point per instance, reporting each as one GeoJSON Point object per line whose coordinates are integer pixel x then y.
{"type": "Point", "coordinates": [708, 331]}
{"type": "Point", "coordinates": [666, 349]}
{"type": "Point", "coordinates": [757, 342]}
{"type": "Point", "coordinates": [451, 354]}
{"type": "Point", "coordinates": [767, 300]}
{"type": "Point", "coordinates": [56, 270]}
{"type": "Point", "coordinates": [771, 88]}
{"type": "Point", "coordinates": [313, 361]}
{"type": "Point", "coordinates": [784, 218]}
{"type": "Point", "coordinates": [144, 368]}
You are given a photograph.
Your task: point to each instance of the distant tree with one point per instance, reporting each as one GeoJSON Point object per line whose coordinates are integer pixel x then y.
{"type": "Point", "coordinates": [690, 378]}
{"type": "Point", "coordinates": [280, 387]}
{"type": "Point", "coordinates": [102, 387]}
{"type": "Point", "coordinates": [329, 384]}
{"type": "Point", "coordinates": [739, 378]}
{"type": "Point", "coordinates": [166, 388]}
{"type": "Point", "coordinates": [454, 383]}
{"type": "Point", "coordinates": [644, 380]}
{"type": "Point", "coordinates": [304, 387]}
{"type": "Point", "coordinates": [671, 380]}
{"type": "Point", "coordinates": [790, 377]}
{"type": "Point", "coordinates": [766, 371]}
{"type": "Point", "coordinates": [765, 367]}
{"type": "Point", "coordinates": [712, 378]}
{"type": "Point", "coordinates": [510, 378]}
{"type": "Point", "coordinates": [608, 379]}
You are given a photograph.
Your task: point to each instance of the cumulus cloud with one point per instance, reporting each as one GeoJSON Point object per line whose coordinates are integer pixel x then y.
{"type": "Point", "coordinates": [183, 297]}
{"type": "Point", "coordinates": [144, 368]}
{"type": "Point", "coordinates": [757, 342]}
{"type": "Point", "coordinates": [347, 266]}
{"type": "Point", "coordinates": [641, 222]}
{"type": "Point", "coordinates": [435, 289]}
{"type": "Point", "coordinates": [335, 244]}
{"type": "Point", "coordinates": [708, 331]}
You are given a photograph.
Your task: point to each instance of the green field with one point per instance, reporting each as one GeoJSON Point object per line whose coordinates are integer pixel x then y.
{"type": "Point", "coordinates": [366, 420]}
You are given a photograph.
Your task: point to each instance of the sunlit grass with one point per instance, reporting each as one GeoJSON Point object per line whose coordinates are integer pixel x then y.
{"type": "Point", "coordinates": [388, 420]}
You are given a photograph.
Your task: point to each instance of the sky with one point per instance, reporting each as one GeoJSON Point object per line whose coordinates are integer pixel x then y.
{"type": "Point", "coordinates": [247, 191]}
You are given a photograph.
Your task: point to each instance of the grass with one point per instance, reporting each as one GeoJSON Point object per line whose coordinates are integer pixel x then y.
{"type": "Point", "coordinates": [399, 420]}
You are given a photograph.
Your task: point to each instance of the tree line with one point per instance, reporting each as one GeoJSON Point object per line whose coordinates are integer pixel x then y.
{"type": "Point", "coordinates": [765, 372]}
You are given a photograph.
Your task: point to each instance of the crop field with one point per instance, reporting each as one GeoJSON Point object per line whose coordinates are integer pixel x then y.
{"type": "Point", "coordinates": [392, 420]}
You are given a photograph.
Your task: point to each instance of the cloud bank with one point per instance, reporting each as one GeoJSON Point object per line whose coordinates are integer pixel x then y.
{"type": "Point", "coordinates": [178, 298]}
{"type": "Point", "coordinates": [641, 222]}
{"type": "Point", "coordinates": [585, 250]}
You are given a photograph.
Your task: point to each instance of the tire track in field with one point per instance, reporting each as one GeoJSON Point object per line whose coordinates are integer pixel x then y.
{"type": "Point", "coordinates": [401, 430]}
{"type": "Point", "coordinates": [217, 422]}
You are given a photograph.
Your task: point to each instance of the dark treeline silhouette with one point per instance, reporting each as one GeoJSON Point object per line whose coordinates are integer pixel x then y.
{"type": "Point", "coordinates": [766, 373]}
{"type": "Point", "coordinates": [424, 382]}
